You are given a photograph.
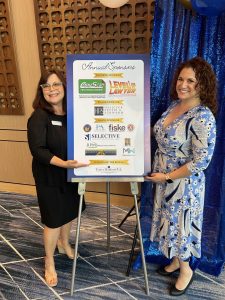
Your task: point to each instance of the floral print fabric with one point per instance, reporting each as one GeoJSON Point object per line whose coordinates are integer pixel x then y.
{"type": "Point", "coordinates": [178, 206]}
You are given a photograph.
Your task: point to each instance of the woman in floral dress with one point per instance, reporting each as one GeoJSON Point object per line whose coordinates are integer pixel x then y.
{"type": "Point", "coordinates": [186, 135]}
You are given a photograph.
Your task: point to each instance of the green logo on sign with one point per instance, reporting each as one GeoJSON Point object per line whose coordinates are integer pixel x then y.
{"type": "Point", "coordinates": [91, 86]}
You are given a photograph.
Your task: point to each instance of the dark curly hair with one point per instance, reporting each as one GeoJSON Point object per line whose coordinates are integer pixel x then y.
{"type": "Point", "coordinates": [206, 80]}
{"type": "Point", "coordinates": [39, 100]}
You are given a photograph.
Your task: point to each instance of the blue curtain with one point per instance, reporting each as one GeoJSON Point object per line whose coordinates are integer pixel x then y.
{"type": "Point", "coordinates": [180, 34]}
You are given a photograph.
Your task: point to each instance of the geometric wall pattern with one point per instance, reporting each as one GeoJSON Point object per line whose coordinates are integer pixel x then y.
{"type": "Point", "coordinates": [10, 96]}
{"type": "Point", "coordinates": [86, 26]}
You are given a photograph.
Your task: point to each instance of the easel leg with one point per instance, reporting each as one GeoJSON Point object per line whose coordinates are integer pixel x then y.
{"type": "Point", "coordinates": [134, 191]}
{"type": "Point", "coordinates": [108, 214]}
{"type": "Point", "coordinates": [132, 251]}
{"type": "Point", "coordinates": [81, 191]}
{"type": "Point", "coordinates": [127, 215]}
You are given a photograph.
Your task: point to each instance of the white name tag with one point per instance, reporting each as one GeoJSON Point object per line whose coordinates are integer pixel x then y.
{"type": "Point", "coordinates": [57, 123]}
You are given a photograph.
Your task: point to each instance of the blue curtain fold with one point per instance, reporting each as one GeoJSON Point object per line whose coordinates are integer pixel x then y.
{"type": "Point", "coordinates": [180, 34]}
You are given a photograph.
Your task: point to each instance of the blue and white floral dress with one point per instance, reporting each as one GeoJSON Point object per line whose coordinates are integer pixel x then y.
{"type": "Point", "coordinates": [178, 206]}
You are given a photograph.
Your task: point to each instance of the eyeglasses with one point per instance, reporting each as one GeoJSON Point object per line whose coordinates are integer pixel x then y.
{"type": "Point", "coordinates": [48, 86]}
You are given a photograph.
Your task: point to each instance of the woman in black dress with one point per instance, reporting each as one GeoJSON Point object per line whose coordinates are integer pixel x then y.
{"type": "Point", "coordinates": [58, 199]}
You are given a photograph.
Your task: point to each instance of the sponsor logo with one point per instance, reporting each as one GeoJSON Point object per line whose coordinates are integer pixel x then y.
{"type": "Point", "coordinates": [100, 152]}
{"type": "Point", "coordinates": [130, 127]}
{"type": "Point", "coordinates": [92, 145]}
{"type": "Point", "coordinates": [128, 151]}
{"type": "Point", "coordinates": [108, 169]}
{"type": "Point", "coordinates": [87, 128]}
{"type": "Point", "coordinates": [127, 142]}
{"type": "Point", "coordinates": [117, 127]}
{"type": "Point", "coordinates": [122, 88]}
{"type": "Point", "coordinates": [87, 137]}
{"type": "Point", "coordinates": [96, 145]}
{"type": "Point", "coordinates": [102, 136]}
{"type": "Point", "coordinates": [99, 111]}
{"type": "Point", "coordinates": [108, 110]}
{"type": "Point", "coordinates": [99, 127]}
{"type": "Point", "coordinates": [92, 86]}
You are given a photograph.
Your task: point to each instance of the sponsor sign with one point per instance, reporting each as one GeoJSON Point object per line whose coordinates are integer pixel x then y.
{"type": "Point", "coordinates": [108, 114]}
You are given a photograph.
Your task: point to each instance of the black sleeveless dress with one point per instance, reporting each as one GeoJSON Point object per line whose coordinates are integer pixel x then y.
{"type": "Point", "coordinates": [58, 199]}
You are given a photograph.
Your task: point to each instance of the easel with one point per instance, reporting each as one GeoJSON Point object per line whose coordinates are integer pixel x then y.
{"type": "Point", "coordinates": [134, 191]}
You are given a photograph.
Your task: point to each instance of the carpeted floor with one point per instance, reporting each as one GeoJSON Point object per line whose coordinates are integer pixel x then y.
{"type": "Point", "coordinates": [100, 274]}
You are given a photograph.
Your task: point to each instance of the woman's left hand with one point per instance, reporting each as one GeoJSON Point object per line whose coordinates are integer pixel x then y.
{"type": "Point", "coordinates": [156, 177]}
{"type": "Point", "coordinates": [71, 164]}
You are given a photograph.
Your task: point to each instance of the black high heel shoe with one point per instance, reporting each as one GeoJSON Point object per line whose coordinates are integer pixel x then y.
{"type": "Point", "coordinates": [163, 272]}
{"type": "Point", "coordinates": [175, 292]}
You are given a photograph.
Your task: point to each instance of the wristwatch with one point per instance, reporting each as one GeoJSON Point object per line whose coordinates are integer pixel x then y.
{"type": "Point", "coordinates": [168, 179]}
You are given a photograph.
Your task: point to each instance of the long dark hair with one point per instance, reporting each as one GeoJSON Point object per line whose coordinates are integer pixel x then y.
{"type": "Point", "coordinates": [206, 80]}
{"type": "Point", "coordinates": [39, 100]}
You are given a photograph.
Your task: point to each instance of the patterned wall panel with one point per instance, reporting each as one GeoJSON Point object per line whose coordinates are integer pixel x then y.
{"type": "Point", "coordinates": [10, 98]}
{"type": "Point", "coordinates": [86, 26]}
